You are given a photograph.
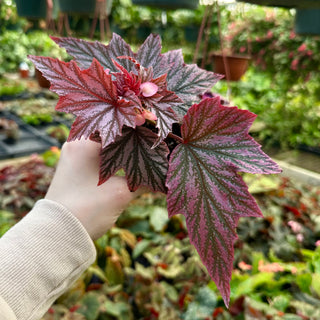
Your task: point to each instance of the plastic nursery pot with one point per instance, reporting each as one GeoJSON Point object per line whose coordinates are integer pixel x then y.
{"type": "Point", "coordinates": [238, 65]}
{"type": "Point", "coordinates": [286, 3]}
{"type": "Point", "coordinates": [307, 21]}
{"type": "Point", "coordinates": [35, 9]}
{"type": "Point", "coordinates": [42, 81]}
{"type": "Point", "coordinates": [168, 4]}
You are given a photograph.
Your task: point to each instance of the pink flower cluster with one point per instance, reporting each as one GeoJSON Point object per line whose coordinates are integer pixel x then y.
{"type": "Point", "coordinates": [297, 229]}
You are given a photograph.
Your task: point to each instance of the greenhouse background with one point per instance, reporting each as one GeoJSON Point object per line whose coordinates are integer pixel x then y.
{"type": "Point", "coordinates": [146, 267]}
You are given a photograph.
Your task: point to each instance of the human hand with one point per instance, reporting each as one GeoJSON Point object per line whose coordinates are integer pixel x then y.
{"type": "Point", "coordinates": [74, 185]}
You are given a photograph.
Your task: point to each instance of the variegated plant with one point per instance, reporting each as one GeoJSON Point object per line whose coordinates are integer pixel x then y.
{"type": "Point", "coordinates": [146, 111]}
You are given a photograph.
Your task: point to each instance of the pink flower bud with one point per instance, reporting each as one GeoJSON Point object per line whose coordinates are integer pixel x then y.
{"type": "Point", "coordinates": [292, 35]}
{"type": "Point", "coordinates": [140, 119]}
{"type": "Point", "coordinates": [295, 226]}
{"type": "Point", "coordinates": [302, 48]}
{"type": "Point", "coordinates": [149, 115]}
{"type": "Point", "coordinates": [317, 243]}
{"type": "Point", "coordinates": [148, 89]}
{"type": "Point", "coordinates": [294, 64]}
{"type": "Point", "coordinates": [300, 237]}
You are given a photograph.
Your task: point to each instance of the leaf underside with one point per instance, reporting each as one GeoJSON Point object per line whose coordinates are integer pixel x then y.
{"type": "Point", "coordinates": [132, 152]}
{"type": "Point", "coordinates": [203, 183]}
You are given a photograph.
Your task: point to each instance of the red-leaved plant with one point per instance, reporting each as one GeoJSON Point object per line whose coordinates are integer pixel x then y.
{"type": "Point", "coordinates": [146, 111]}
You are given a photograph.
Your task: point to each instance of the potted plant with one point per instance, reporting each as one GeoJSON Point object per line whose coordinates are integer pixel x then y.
{"type": "Point", "coordinates": [10, 129]}
{"type": "Point", "coordinates": [232, 66]}
{"type": "Point", "coordinates": [145, 111]}
{"type": "Point", "coordinates": [230, 61]}
{"type": "Point", "coordinates": [268, 36]}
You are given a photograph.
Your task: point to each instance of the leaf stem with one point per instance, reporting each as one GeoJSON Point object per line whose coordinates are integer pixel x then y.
{"type": "Point", "coordinates": [175, 137]}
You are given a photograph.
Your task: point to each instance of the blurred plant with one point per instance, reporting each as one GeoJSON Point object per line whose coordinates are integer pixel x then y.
{"type": "Point", "coordinates": [267, 34]}
{"type": "Point", "coordinates": [59, 132]}
{"type": "Point", "coordinates": [16, 45]}
{"type": "Point", "coordinates": [6, 221]}
{"type": "Point", "coordinates": [9, 20]}
{"type": "Point", "coordinates": [51, 156]}
{"type": "Point", "coordinates": [294, 119]}
{"type": "Point", "coordinates": [147, 269]}
{"type": "Point", "coordinates": [10, 129]}
{"type": "Point", "coordinates": [286, 118]}
{"type": "Point", "coordinates": [23, 184]}
{"type": "Point", "coordinates": [11, 87]}
{"type": "Point", "coordinates": [36, 111]}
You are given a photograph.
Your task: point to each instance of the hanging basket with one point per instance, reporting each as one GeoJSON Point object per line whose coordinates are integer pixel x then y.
{"type": "Point", "coordinates": [35, 9]}
{"type": "Point", "coordinates": [82, 7]}
{"type": "Point", "coordinates": [307, 21]}
{"type": "Point", "coordinates": [238, 65]}
{"type": "Point", "coordinates": [286, 3]}
{"type": "Point", "coordinates": [168, 4]}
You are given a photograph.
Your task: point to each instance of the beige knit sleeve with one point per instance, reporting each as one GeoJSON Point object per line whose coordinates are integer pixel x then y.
{"type": "Point", "coordinates": [40, 257]}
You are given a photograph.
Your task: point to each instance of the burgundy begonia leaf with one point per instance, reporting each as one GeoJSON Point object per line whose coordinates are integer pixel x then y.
{"type": "Point", "coordinates": [132, 152]}
{"type": "Point", "coordinates": [89, 94]}
{"type": "Point", "coordinates": [187, 81]}
{"type": "Point", "coordinates": [84, 51]}
{"type": "Point", "coordinates": [149, 55]}
{"type": "Point", "coordinates": [204, 186]}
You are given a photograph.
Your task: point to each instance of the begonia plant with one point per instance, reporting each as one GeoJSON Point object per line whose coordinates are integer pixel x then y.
{"type": "Point", "coordinates": [145, 109]}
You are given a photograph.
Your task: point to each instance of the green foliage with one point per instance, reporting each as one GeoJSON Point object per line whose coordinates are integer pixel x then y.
{"type": "Point", "coordinates": [16, 46]}
{"type": "Point", "coordinates": [202, 306]}
{"type": "Point", "coordinates": [147, 268]}
{"type": "Point", "coordinates": [37, 111]}
{"type": "Point", "coordinates": [9, 19]}
{"type": "Point", "coordinates": [6, 221]}
{"type": "Point", "coordinates": [51, 157]}
{"type": "Point", "coordinates": [179, 27]}
{"type": "Point", "coordinates": [11, 87]}
{"type": "Point", "coordinates": [268, 36]}
{"type": "Point", "coordinates": [287, 118]}
{"type": "Point", "coordinates": [90, 306]}
{"type": "Point", "coordinates": [59, 132]}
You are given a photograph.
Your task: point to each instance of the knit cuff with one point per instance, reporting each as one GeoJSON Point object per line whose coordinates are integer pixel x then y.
{"type": "Point", "coordinates": [40, 257]}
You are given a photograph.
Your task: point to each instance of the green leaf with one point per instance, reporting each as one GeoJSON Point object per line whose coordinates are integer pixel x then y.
{"type": "Point", "coordinates": [140, 248]}
{"type": "Point", "coordinates": [120, 310]}
{"type": "Point", "coordinates": [203, 305]}
{"type": "Point", "coordinates": [158, 218]}
{"type": "Point", "coordinates": [90, 306]}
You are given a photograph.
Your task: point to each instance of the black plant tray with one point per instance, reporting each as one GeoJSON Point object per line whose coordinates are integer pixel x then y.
{"type": "Point", "coordinates": [30, 140]}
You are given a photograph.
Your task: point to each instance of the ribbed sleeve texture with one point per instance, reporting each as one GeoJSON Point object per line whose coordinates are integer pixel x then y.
{"type": "Point", "coordinates": [40, 257]}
